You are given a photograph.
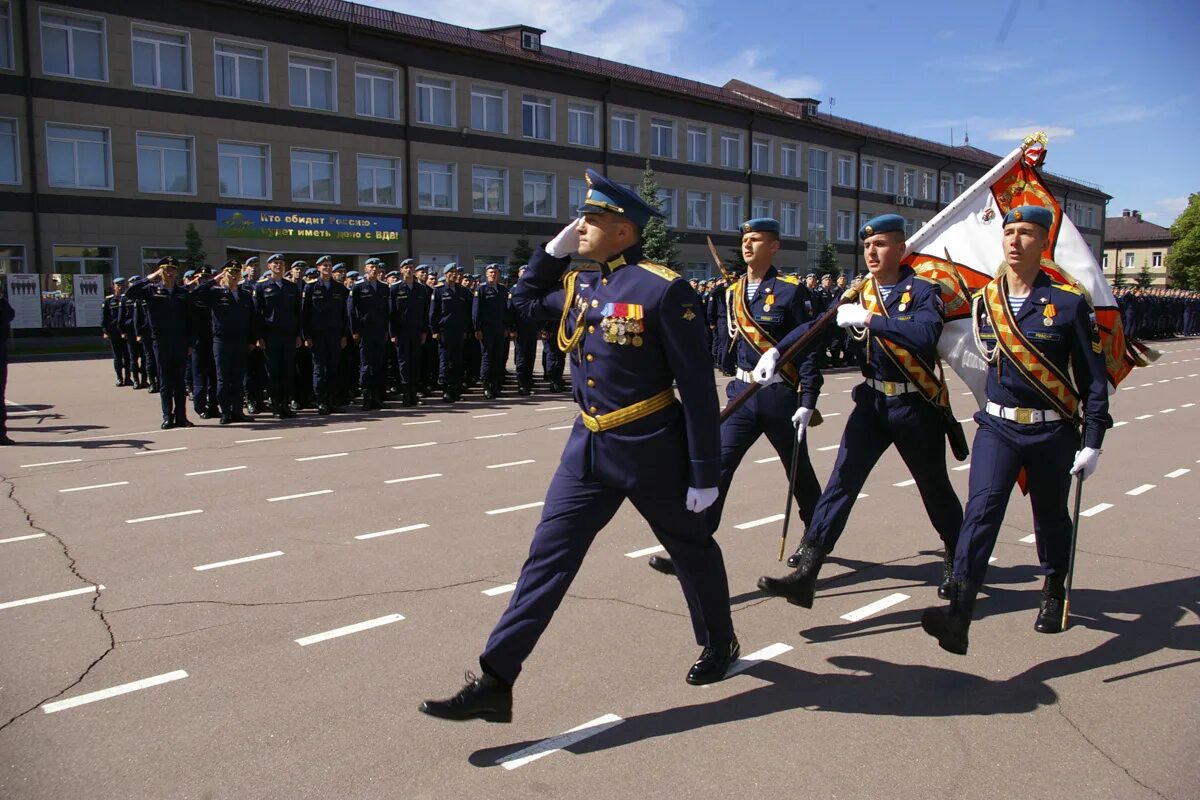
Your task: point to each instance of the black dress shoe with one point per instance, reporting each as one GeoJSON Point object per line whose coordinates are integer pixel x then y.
{"type": "Point", "coordinates": [5, 441]}
{"type": "Point", "coordinates": [242, 418]}
{"type": "Point", "coordinates": [482, 698]}
{"type": "Point", "coordinates": [951, 626]}
{"type": "Point", "coordinates": [205, 414]}
{"type": "Point", "coordinates": [714, 663]}
{"type": "Point", "coordinates": [947, 573]}
{"type": "Point", "coordinates": [252, 407]}
{"type": "Point", "coordinates": [184, 423]}
{"type": "Point", "coordinates": [1050, 613]}
{"type": "Point", "coordinates": [446, 397]}
{"type": "Point", "coordinates": [167, 424]}
{"type": "Point", "coordinates": [488, 394]}
{"type": "Point", "coordinates": [286, 413]}
{"type": "Point", "coordinates": [662, 564]}
{"type": "Point", "coordinates": [153, 388]}
{"type": "Point", "coordinates": [800, 587]}
{"type": "Point", "coordinates": [322, 410]}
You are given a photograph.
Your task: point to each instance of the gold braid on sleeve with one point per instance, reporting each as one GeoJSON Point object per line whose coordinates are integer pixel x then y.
{"type": "Point", "coordinates": [568, 343]}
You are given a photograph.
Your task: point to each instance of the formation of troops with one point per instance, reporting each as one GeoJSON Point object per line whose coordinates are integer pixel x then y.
{"type": "Point", "coordinates": [1159, 313]}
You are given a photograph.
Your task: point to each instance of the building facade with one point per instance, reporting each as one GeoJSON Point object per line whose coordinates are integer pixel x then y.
{"type": "Point", "coordinates": [1131, 245]}
{"type": "Point", "coordinates": [320, 126]}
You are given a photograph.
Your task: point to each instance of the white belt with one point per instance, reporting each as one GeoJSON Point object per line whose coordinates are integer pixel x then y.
{"type": "Point", "coordinates": [891, 388]}
{"type": "Point", "coordinates": [747, 376]}
{"type": "Point", "coordinates": [1025, 416]}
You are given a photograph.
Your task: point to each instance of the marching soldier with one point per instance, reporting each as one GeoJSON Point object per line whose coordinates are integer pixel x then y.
{"type": "Point", "coordinates": [231, 314]}
{"type": "Point", "coordinates": [525, 345]}
{"type": "Point", "coordinates": [169, 315]}
{"type": "Point", "coordinates": [632, 330]}
{"type": "Point", "coordinates": [324, 324]}
{"type": "Point", "coordinates": [110, 327]}
{"type": "Point", "coordinates": [277, 302]}
{"type": "Point", "coordinates": [901, 401]}
{"type": "Point", "coordinates": [369, 313]}
{"type": "Point", "coordinates": [1046, 375]}
{"type": "Point", "coordinates": [489, 316]}
{"type": "Point", "coordinates": [409, 301]}
{"type": "Point", "coordinates": [449, 321]}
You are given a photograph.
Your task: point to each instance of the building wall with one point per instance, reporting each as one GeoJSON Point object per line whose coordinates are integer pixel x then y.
{"type": "Point", "coordinates": [1133, 257]}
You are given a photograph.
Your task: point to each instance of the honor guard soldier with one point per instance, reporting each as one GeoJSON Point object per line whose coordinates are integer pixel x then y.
{"type": "Point", "coordinates": [409, 301]}
{"type": "Point", "coordinates": [449, 321]}
{"type": "Point", "coordinates": [525, 344]}
{"type": "Point", "coordinates": [168, 308]}
{"type": "Point", "coordinates": [231, 309]}
{"type": "Point", "coordinates": [127, 325]}
{"type": "Point", "coordinates": [324, 325]}
{"type": "Point", "coordinates": [632, 330]}
{"type": "Point", "coordinates": [302, 384]}
{"type": "Point", "coordinates": [764, 307]}
{"type": "Point", "coordinates": [490, 318]}
{"type": "Point", "coordinates": [110, 329]}
{"type": "Point", "coordinates": [1046, 375]}
{"type": "Point", "coordinates": [145, 338]}
{"type": "Point", "coordinates": [203, 360]}
{"type": "Point", "coordinates": [369, 313]}
{"type": "Point", "coordinates": [900, 402]}
{"type": "Point", "coordinates": [277, 302]}
{"type": "Point", "coordinates": [255, 382]}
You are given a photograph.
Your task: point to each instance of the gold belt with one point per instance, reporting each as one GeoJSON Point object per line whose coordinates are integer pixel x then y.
{"type": "Point", "coordinates": [631, 413]}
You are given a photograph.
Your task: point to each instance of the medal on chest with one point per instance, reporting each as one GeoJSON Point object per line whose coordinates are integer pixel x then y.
{"type": "Point", "coordinates": [622, 323]}
{"type": "Point", "coordinates": [768, 300]}
{"type": "Point", "coordinates": [905, 299]}
{"type": "Point", "coordinates": [1048, 314]}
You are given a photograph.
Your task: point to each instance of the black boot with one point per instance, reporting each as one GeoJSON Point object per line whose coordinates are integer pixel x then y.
{"type": "Point", "coordinates": [950, 625]}
{"type": "Point", "coordinates": [1054, 598]}
{"type": "Point", "coordinates": [947, 573]}
{"type": "Point", "coordinates": [799, 588]}
{"type": "Point", "coordinates": [662, 564]}
{"type": "Point", "coordinates": [483, 698]}
{"type": "Point", "coordinates": [714, 663]}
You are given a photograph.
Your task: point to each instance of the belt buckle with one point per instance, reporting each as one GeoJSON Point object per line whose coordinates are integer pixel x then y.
{"type": "Point", "coordinates": [890, 388]}
{"type": "Point", "coordinates": [591, 423]}
{"type": "Point", "coordinates": [1025, 416]}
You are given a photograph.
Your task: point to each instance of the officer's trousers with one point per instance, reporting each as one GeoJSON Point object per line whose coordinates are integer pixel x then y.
{"type": "Point", "coordinates": [137, 358]}
{"type": "Point", "coordinates": [408, 360]}
{"type": "Point", "coordinates": [172, 363]}
{"type": "Point", "coordinates": [204, 376]}
{"type": "Point", "coordinates": [150, 359]}
{"type": "Point", "coordinates": [281, 369]}
{"type": "Point", "coordinates": [326, 354]}
{"type": "Point", "coordinates": [303, 385]}
{"type": "Point", "coordinates": [120, 358]}
{"type": "Point", "coordinates": [372, 375]}
{"type": "Point", "coordinates": [524, 354]}
{"type": "Point", "coordinates": [553, 361]}
{"type": "Point", "coordinates": [450, 362]}
{"type": "Point", "coordinates": [231, 358]}
{"type": "Point", "coordinates": [493, 360]}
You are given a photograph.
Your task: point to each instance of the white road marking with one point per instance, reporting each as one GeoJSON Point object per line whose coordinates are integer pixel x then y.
{"type": "Point", "coordinates": [828, 447]}
{"type": "Point", "coordinates": [861, 495]}
{"type": "Point", "coordinates": [165, 516]}
{"type": "Point", "coordinates": [1166, 411]}
{"type": "Point", "coordinates": [260, 439]}
{"type": "Point", "coordinates": [298, 496]}
{"type": "Point", "coordinates": [414, 478]}
{"type": "Point", "coordinates": [110, 436]}
{"type": "Point", "coordinates": [421, 422]}
{"type": "Point", "coordinates": [57, 595]}
{"type": "Point", "coordinates": [1144, 416]}
{"type": "Point", "coordinates": [1177, 473]}
{"type": "Point", "coordinates": [757, 657]}
{"type": "Point", "coordinates": [902, 484]}
{"type": "Point", "coordinates": [1151, 383]}
{"type": "Point", "coordinates": [114, 691]}
{"type": "Point", "coordinates": [548, 746]}
{"type": "Point", "coordinates": [1119, 424]}
{"type": "Point", "coordinates": [243, 560]}
{"type": "Point", "coordinates": [22, 538]}
{"type": "Point", "coordinates": [1128, 388]}
{"type": "Point", "coordinates": [212, 471]}
{"type": "Point", "coordinates": [552, 408]}
{"type": "Point", "coordinates": [1030, 539]}
{"type": "Point", "coordinates": [485, 416]}
{"type": "Point", "coordinates": [992, 559]}
{"type": "Point", "coordinates": [410, 446]}
{"type": "Point", "coordinates": [305, 641]}
{"type": "Point", "coordinates": [845, 377]}
{"type": "Point", "coordinates": [1185, 405]}
{"type": "Point", "coordinates": [962, 467]}
{"type": "Point", "coordinates": [754, 523]}
{"type": "Point", "coordinates": [516, 508]}
{"type": "Point", "coordinates": [646, 551]}
{"type": "Point", "coordinates": [511, 464]}
{"type": "Point", "coordinates": [154, 452]}
{"type": "Point", "coordinates": [766, 460]}
{"type": "Point", "coordinates": [93, 486]}
{"type": "Point", "coordinates": [1145, 487]}
{"type": "Point", "coordinates": [1165, 380]}
{"type": "Point", "coordinates": [318, 458]}
{"type": "Point", "coordinates": [498, 590]}
{"type": "Point", "coordinates": [52, 463]}
{"type": "Point", "coordinates": [859, 614]}
{"type": "Point", "coordinates": [560, 428]}
{"type": "Point", "coordinates": [346, 430]}
{"type": "Point", "coordinates": [390, 531]}
{"type": "Point", "coordinates": [966, 419]}
{"type": "Point", "coordinates": [1096, 509]}
{"type": "Point", "coordinates": [495, 435]}
{"type": "Point", "coordinates": [967, 394]}
{"type": "Point", "coordinates": [834, 414]}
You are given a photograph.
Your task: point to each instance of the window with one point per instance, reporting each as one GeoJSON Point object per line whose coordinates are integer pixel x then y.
{"type": "Point", "coordinates": [375, 92]}
{"type": "Point", "coordinates": [576, 193]}
{"type": "Point", "coordinates": [731, 150]}
{"type": "Point", "coordinates": [581, 124]}
{"type": "Point", "coordinates": [869, 170]}
{"type": "Point", "coordinates": [845, 226]}
{"type": "Point", "coordinates": [84, 259]}
{"type": "Point", "coordinates": [818, 197]}
{"type": "Point", "coordinates": [73, 46]}
{"type": "Point", "coordinates": [537, 117]}
{"type": "Point", "coordinates": [845, 170]}
{"type": "Point", "coordinates": [161, 60]}
{"type": "Point", "coordinates": [10, 158]}
{"type": "Point", "coordinates": [488, 109]}
{"type": "Point", "coordinates": [1129, 260]}
{"type": "Point", "coordinates": [12, 259]}
{"type": "Point", "coordinates": [760, 208]}
{"type": "Point", "coordinates": [310, 83]}
{"type": "Point", "coordinates": [889, 178]}
{"type": "Point", "coordinates": [489, 190]}
{"type": "Point", "coordinates": [662, 138]}
{"type": "Point", "coordinates": [789, 219]}
{"type": "Point", "coordinates": [165, 164]}
{"type": "Point", "coordinates": [538, 199]}
{"type": "Point", "coordinates": [531, 40]}
{"type": "Point", "coordinates": [1091, 217]}
{"type": "Point", "coordinates": [789, 160]}
{"type": "Point", "coordinates": [436, 185]}
{"type": "Point", "coordinates": [761, 155]}
{"type": "Point", "coordinates": [6, 40]}
{"type": "Point", "coordinates": [1105, 262]}
{"type": "Point", "coordinates": [731, 212]}
{"type": "Point", "coordinates": [697, 145]}
{"type": "Point", "coordinates": [947, 188]}
{"type": "Point", "coordinates": [624, 133]}
{"type": "Point", "coordinates": [698, 212]}
{"type": "Point", "coordinates": [435, 101]}
{"type": "Point", "coordinates": [245, 170]}
{"type": "Point", "coordinates": [378, 181]}
{"type": "Point", "coordinates": [908, 186]}
{"type": "Point", "coordinates": [241, 71]}
{"type": "Point", "coordinates": [666, 204]}
{"type": "Point", "coordinates": [926, 185]}
{"type": "Point", "coordinates": [910, 225]}
{"type": "Point", "coordinates": [1156, 259]}
{"type": "Point", "coordinates": [314, 176]}
{"type": "Point", "coordinates": [78, 157]}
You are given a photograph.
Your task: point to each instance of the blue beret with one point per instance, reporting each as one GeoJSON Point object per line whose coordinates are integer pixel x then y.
{"type": "Point", "coordinates": [761, 224]}
{"type": "Point", "coordinates": [189, 273]}
{"type": "Point", "coordinates": [310, 271]}
{"type": "Point", "coordinates": [451, 267]}
{"type": "Point", "coordinates": [118, 280]}
{"type": "Point", "coordinates": [323, 259]}
{"type": "Point", "coordinates": [408, 262]}
{"type": "Point", "coordinates": [884, 223]}
{"type": "Point", "coordinates": [339, 267]}
{"type": "Point", "coordinates": [352, 273]}
{"type": "Point", "coordinates": [423, 266]}
{"type": "Point", "coordinates": [275, 257]}
{"type": "Point", "coordinates": [604, 195]}
{"type": "Point", "coordinates": [1035, 214]}
{"type": "Point", "coordinates": [393, 274]}
{"type": "Point", "coordinates": [252, 261]}
{"type": "Point", "coordinates": [299, 263]}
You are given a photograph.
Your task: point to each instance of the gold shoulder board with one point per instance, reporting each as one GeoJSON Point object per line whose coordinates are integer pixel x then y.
{"type": "Point", "coordinates": [666, 273]}
{"type": "Point", "coordinates": [792, 279]}
{"type": "Point", "coordinates": [1066, 287]}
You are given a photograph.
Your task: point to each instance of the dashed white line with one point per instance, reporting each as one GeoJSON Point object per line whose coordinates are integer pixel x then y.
{"type": "Point", "coordinates": [494, 414]}
{"type": "Point", "coordinates": [834, 414]}
{"type": "Point", "coordinates": [1187, 405]}
{"type": "Point", "coordinates": [52, 463]}
{"type": "Point", "coordinates": [411, 446]}
{"type": "Point", "coordinates": [305, 641]}
{"type": "Point", "coordinates": [414, 478]}
{"type": "Point", "coordinates": [1177, 473]}
{"type": "Point", "coordinates": [212, 471]}
{"type": "Point", "coordinates": [12, 539]}
{"type": "Point", "coordinates": [56, 596]}
{"type": "Point", "coordinates": [93, 486]}
{"type": "Point", "coordinates": [1119, 424]}
{"type": "Point", "coordinates": [499, 590]}
{"type": "Point", "coordinates": [346, 430]}
{"type": "Point", "coordinates": [859, 614]}
{"type": "Point", "coordinates": [962, 467]}
{"type": "Point", "coordinates": [766, 460]}
{"type": "Point", "coordinates": [421, 422]}
{"type": "Point", "coordinates": [548, 746]}
{"type": "Point", "coordinates": [1128, 388]}
{"type": "Point", "coordinates": [516, 508]}
{"type": "Point", "coordinates": [298, 496]}
{"type": "Point", "coordinates": [165, 516]}
{"type": "Point", "coordinates": [828, 447]}
{"type": "Point", "coordinates": [113, 691]}
{"type": "Point", "coordinates": [1151, 383]}
{"type": "Point", "coordinates": [560, 428]}
{"type": "Point", "coordinates": [1166, 411]}
{"type": "Point", "coordinates": [861, 495]}
{"type": "Point", "coordinates": [259, 439]}
{"type": "Point", "coordinates": [318, 458]}
{"type": "Point", "coordinates": [495, 435]}
{"type": "Point", "coordinates": [757, 657]}
{"type": "Point", "coordinates": [1096, 509]}
{"type": "Point", "coordinates": [552, 408]}
{"type": "Point", "coordinates": [156, 452]}
{"type": "Point", "coordinates": [1145, 487]}
{"type": "Point", "coordinates": [1144, 416]}
{"type": "Point", "coordinates": [646, 551]}
{"type": "Point", "coordinates": [244, 560]}
{"type": "Point", "coordinates": [511, 464]}
{"type": "Point", "coordinates": [1165, 380]}
{"type": "Point", "coordinates": [902, 484]}
{"type": "Point", "coordinates": [754, 523]}
{"type": "Point", "coordinates": [1030, 539]}
{"type": "Point", "coordinates": [390, 531]}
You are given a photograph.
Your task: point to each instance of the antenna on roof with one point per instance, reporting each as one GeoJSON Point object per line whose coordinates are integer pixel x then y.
{"type": "Point", "coordinates": [832, 103]}
{"type": "Point", "coordinates": [967, 136]}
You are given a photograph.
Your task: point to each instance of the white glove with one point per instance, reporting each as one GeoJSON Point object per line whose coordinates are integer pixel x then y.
{"type": "Point", "coordinates": [800, 420]}
{"type": "Point", "coordinates": [849, 314]}
{"type": "Point", "coordinates": [566, 243]}
{"type": "Point", "coordinates": [764, 370]}
{"type": "Point", "coordinates": [700, 499]}
{"type": "Point", "coordinates": [1086, 461]}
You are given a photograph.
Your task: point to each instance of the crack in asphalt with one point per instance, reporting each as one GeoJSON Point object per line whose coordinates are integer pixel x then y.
{"type": "Point", "coordinates": [626, 603]}
{"type": "Point", "coordinates": [73, 567]}
{"type": "Point", "coordinates": [1058, 706]}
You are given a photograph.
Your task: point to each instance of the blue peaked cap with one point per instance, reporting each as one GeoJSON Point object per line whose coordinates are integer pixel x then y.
{"type": "Point", "coordinates": [604, 195]}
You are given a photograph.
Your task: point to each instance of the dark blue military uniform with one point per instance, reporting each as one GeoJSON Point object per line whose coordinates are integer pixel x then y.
{"type": "Point", "coordinates": [554, 361]}
{"type": "Point", "coordinates": [127, 325]}
{"type": "Point", "coordinates": [277, 302]}
{"type": "Point", "coordinates": [525, 347]}
{"type": "Point", "coordinates": [234, 328]}
{"type": "Point", "coordinates": [450, 321]}
{"type": "Point", "coordinates": [144, 332]}
{"type": "Point", "coordinates": [169, 316]}
{"type": "Point", "coordinates": [410, 326]}
{"type": "Point", "coordinates": [490, 318]}
{"type": "Point", "coordinates": [255, 381]}
{"type": "Point", "coordinates": [203, 362]}
{"type": "Point", "coordinates": [324, 322]}
{"type": "Point", "coordinates": [110, 323]}
{"type": "Point", "coordinates": [368, 308]}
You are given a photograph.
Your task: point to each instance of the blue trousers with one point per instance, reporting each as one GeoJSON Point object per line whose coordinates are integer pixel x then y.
{"type": "Point", "coordinates": [326, 352]}
{"type": "Point", "coordinates": [204, 376]}
{"type": "Point", "coordinates": [230, 358]}
{"type": "Point", "coordinates": [281, 368]}
{"type": "Point", "coordinates": [1002, 448]}
{"type": "Point", "coordinates": [554, 361]}
{"type": "Point", "coordinates": [524, 355]}
{"type": "Point", "coordinates": [493, 358]}
{"type": "Point", "coordinates": [120, 357]}
{"type": "Point", "coordinates": [372, 376]}
{"type": "Point", "coordinates": [450, 361]}
{"type": "Point", "coordinates": [172, 361]}
{"type": "Point", "coordinates": [876, 423]}
{"type": "Point", "coordinates": [575, 511]}
{"type": "Point", "coordinates": [408, 359]}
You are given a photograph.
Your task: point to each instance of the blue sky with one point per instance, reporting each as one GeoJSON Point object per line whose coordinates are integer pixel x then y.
{"type": "Point", "coordinates": [1113, 83]}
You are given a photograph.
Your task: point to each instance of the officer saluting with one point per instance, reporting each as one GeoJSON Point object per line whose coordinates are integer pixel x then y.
{"type": "Point", "coordinates": [277, 302]}
{"type": "Point", "coordinates": [231, 306]}
{"type": "Point", "coordinates": [168, 307]}
{"type": "Point", "coordinates": [631, 330]}
{"type": "Point", "coordinates": [1045, 376]}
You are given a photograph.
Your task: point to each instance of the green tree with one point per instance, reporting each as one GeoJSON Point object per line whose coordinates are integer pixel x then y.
{"type": "Point", "coordinates": [521, 253]}
{"type": "Point", "coordinates": [1119, 281]}
{"type": "Point", "coordinates": [1143, 277]}
{"type": "Point", "coordinates": [658, 244]}
{"type": "Point", "coordinates": [828, 262]}
{"type": "Point", "coordinates": [193, 248]}
{"type": "Point", "coordinates": [1183, 263]}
